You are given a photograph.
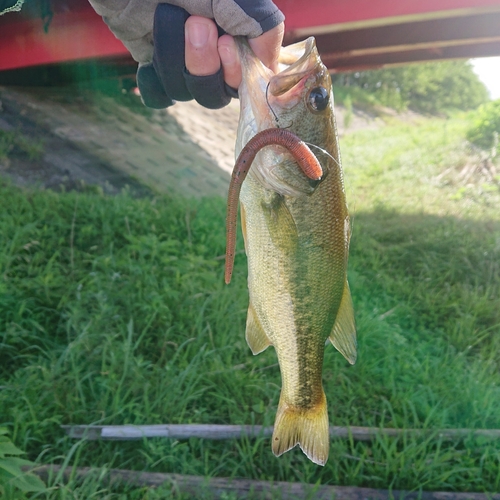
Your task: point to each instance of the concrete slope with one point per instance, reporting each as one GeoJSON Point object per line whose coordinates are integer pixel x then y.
{"type": "Point", "coordinates": [99, 139]}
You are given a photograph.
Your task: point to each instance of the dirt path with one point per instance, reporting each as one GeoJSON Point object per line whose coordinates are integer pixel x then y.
{"type": "Point", "coordinates": [100, 140]}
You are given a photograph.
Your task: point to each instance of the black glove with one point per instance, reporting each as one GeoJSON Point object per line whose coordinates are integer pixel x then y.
{"type": "Point", "coordinates": [166, 79]}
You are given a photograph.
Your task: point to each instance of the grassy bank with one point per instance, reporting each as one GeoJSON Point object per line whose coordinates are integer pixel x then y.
{"type": "Point", "coordinates": [113, 310]}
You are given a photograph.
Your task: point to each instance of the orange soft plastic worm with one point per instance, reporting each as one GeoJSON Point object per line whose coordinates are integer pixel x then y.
{"type": "Point", "coordinates": [273, 136]}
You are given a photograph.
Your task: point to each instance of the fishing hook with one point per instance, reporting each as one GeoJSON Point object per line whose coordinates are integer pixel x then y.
{"type": "Point", "coordinates": [276, 119]}
{"type": "Point", "coordinates": [270, 107]}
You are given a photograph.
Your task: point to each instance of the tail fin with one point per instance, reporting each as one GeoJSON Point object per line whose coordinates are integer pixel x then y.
{"type": "Point", "coordinates": [306, 427]}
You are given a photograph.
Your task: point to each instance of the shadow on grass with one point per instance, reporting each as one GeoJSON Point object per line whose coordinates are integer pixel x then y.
{"type": "Point", "coordinates": [435, 273]}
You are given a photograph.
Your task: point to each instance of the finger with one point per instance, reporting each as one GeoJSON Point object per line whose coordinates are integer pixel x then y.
{"type": "Point", "coordinates": [231, 66]}
{"type": "Point", "coordinates": [210, 90]}
{"type": "Point", "coordinates": [267, 46]}
{"type": "Point", "coordinates": [202, 57]}
{"type": "Point", "coordinates": [153, 93]}
{"type": "Point", "coordinates": [169, 49]}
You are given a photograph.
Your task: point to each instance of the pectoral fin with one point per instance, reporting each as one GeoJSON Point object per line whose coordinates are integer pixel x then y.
{"type": "Point", "coordinates": [282, 227]}
{"type": "Point", "coordinates": [343, 335]}
{"type": "Point", "coordinates": [257, 339]}
{"type": "Point", "coordinates": [243, 218]}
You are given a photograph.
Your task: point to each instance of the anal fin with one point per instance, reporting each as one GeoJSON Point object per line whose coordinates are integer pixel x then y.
{"type": "Point", "coordinates": [343, 335]}
{"type": "Point", "coordinates": [257, 339]}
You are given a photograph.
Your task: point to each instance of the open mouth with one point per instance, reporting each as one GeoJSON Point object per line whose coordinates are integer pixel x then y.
{"type": "Point", "coordinates": [300, 60]}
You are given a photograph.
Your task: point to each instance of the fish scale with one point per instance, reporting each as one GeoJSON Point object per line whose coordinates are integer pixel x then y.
{"type": "Point", "coordinates": [296, 235]}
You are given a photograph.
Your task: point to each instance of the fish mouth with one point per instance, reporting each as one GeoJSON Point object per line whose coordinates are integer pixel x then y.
{"type": "Point", "coordinates": [267, 92]}
{"type": "Point", "coordinates": [298, 61]}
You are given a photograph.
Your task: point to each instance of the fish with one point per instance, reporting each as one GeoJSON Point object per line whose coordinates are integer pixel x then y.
{"type": "Point", "coordinates": [296, 230]}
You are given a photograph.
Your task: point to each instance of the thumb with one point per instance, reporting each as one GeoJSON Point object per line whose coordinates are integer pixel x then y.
{"type": "Point", "coordinates": [267, 46]}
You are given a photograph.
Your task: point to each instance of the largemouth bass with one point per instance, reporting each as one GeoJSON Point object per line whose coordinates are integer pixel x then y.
{"type": "Point", "coordinates": [296, 233]}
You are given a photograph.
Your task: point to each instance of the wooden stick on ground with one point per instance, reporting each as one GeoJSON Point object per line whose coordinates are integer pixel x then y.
{"type": "Point", "coordinates": [207, 431]}
{"type": "Point", "coordinates": [243, 488]}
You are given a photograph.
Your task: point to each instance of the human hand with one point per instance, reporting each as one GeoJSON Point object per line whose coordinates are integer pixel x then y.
{"type": "Point", "coordinates": [206, 52]}
{"type": "Point", "coordinates": [190, 60]}
{"type": "Point", "coordinates": [174, 65]}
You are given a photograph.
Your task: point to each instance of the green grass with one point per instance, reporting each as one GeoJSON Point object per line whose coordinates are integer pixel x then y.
{"type": "Point", "coordinates": [16, 143]}
{"type": "Point", "coordinates": [113, 310]}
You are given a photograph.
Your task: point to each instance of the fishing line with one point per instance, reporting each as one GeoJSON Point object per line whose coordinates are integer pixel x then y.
{"type": "Point", "coordinates": [323, 151]}
{"type": "Point", "coordinates": [269, 106]}
{"type": "Point", "coordinates": [276, 119]}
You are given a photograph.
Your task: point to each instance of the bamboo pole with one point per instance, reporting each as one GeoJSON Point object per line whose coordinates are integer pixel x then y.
{"type": "Point", "coordinates": [243, 488]}
{"type": "Point", "coordinates": [181, 431]}
{"type": "Point", "coordinates": [216, 432]}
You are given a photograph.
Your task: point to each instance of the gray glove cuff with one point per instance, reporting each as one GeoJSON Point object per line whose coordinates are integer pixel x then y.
{"type": "Point", "coordinates": [132, 20]}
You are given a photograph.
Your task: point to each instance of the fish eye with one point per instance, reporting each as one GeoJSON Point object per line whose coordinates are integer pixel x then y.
{"type": "Point", "coordinates": [318, 98]}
